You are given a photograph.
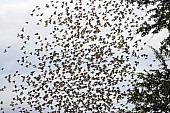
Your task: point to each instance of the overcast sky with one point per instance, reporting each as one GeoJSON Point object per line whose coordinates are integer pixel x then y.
{"type": "Point", "coordinates": [13, 15]}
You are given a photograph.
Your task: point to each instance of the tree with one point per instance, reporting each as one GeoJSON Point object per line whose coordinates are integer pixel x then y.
{"type": "Point", "coordinates": [152, 93]}
{"type": "Point", "coordinates": [159, 11]}
{"type": "Point", "coordinates": [78, 56]}
{"type": "Point", "coordinates": [159, 14]}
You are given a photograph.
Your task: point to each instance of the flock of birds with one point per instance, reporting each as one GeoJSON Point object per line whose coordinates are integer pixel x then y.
{"type": "Point", "coordinates": [86, 63]}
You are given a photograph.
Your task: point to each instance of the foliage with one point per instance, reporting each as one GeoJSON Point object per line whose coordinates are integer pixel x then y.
{"type": "Point", "coordinates": [159, 19]}
{"type": "Point", "coordinates": [165, 47]}
{"type": "Point", "coordinates": [152, 92]}
{"type": "Point", "coordinates": [160, 14]}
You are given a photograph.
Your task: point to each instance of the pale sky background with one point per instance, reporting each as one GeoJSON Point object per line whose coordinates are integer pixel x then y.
{"type": "Point", "coordinates": [13, 15]}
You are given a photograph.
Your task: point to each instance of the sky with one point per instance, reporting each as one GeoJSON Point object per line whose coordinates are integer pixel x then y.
{"type": "Point", "coordinates": [13, 15]}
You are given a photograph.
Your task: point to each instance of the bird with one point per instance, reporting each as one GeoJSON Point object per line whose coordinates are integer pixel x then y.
{"type": "Point", "coordinates": [22, 29]}
{"type": "Point", "coordinates": [5, 51]}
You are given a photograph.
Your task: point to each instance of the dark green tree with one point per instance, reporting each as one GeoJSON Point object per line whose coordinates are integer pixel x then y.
{"type": "Point", "coordinates": [159, 19]}
{"type": "Point", "coordinates": [152, 93]}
